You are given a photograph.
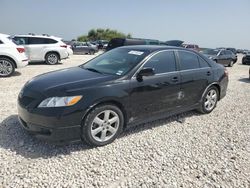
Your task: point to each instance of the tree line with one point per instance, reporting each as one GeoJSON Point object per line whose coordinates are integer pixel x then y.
{"type": "Point", "coordinates": [102, 34]}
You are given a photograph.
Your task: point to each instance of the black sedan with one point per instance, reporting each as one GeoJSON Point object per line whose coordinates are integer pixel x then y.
{"type": "Point", "coordinates": [246, 59]}
{"type": "Point", "coordinates": [221, 56]}
{"type": "Point", "coordinates": [126, 86]}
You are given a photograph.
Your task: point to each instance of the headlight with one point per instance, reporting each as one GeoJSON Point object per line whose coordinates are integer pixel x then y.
{"type": "Point", "coordinates": [59, 101]}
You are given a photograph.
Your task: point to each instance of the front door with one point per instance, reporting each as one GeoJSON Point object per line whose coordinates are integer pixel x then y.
{"type": "Point", "coordinates": [158, 93]}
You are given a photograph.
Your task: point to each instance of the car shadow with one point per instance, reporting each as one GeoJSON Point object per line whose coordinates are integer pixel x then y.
{"type": "Point", "coordinates": [14, 138]}
{"type": "Point", "coordinates": [16, 73]}
{"type": "Point", "coordinates": [246, 80]}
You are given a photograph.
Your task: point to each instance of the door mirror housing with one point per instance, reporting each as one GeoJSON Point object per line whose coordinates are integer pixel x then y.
{"type": "Point", "coordinates": [147, 71]}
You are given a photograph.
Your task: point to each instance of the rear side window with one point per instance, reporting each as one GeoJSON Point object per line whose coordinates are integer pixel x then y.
{"type": "Point", "coordinates": [188, 61]}
{"type": "Point", "coordinates": [203, 63]}
{"type": "Point", "coordinates": [49, 41]}
{"type": "Point", "coordinates": [1, 42]}
{"type": "Point", "coordinates": [21, 40]}
{"type": "Point", "coordinates": [36, 40]}
{"type": "Point", "coordinates": [162, 62]}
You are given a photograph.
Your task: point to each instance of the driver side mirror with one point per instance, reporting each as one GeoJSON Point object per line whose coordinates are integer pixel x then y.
{"type": "Point", "coordinates": [147, 71]}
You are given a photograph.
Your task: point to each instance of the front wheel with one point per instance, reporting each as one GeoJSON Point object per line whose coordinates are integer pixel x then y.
{"type": "Point", "coordinates": [102, 125]}
{"type": "Point", "coordinates": [7, 67]}
{"type": "Point", "coordinates": [209, 100]}
{"type": "Point", "coordinates": [51, 58]}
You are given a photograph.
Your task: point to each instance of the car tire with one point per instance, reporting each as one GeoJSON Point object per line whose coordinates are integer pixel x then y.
{"type": "Point", "coordinates": [91, 52]}
{"type": "Point", "coordinates": [52, 58]}
{"type": "Point", "coordinates": [7, 67]}
{"type": "Point", "coordinates": [209, 100]}
{"type": "Point", "coordinates": [102, 125]}
{"type": "Point", "coordinates": [231, 63]}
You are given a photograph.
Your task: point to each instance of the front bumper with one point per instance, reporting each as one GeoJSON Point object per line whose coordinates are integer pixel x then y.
{"type": "Point", "coordinates": [51, 129]}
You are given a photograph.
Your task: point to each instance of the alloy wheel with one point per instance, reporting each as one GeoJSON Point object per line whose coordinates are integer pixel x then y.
{"type": "Point", "coordinates": [210, 100]}
{"type": "Point", "coordinates": [52, 59]}
{"type": "Point", "coordinates": [105, 125]}
{"type": "Point", "coordinates": [6, 68]}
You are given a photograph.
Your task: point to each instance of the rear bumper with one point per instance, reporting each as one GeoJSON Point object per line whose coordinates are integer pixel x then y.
{"type": "Point", "coordinates": [22, 63]}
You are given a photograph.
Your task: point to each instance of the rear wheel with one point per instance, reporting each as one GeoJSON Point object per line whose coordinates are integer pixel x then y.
{"type": "Point", "coordinates": [209, 100]}
{"type": "Point", "coordinates": [91, 52]}
{"type": "Point", "coordinates": [231, 63]}
{"type": "Point", "coordinates": [102, 125]}
{"type": "Point", "coordinates": [51, 58]}
{"type": "Point", "coordinates": [7, 67]}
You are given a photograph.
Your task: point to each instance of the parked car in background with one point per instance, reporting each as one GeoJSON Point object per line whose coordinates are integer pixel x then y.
{"type": "Point", "coordinates": [232, 50]}
{"type": "Point", "coordinates": [221, 56]}
{"type": "Point", "coordinates": [118, 42]}
{"type": "Point", "coordinates": [246, 51]}
{"type": "Point", "coordinates": [246, 59]}
{"type": "Point", "coordinates": [101, 44]}
{"type": "Point", "coordinates": [42, 48]}
{"type": "Point", "coordinates": [121, 88]}
{"type": "Point", "coordinates": [192, 47]}
{"type": "Point", "coordinates": [81, 48]}
{"type": "Point", "coordinates": [177, 43]}
{"type": "Point", "coordinates": [11, 56]}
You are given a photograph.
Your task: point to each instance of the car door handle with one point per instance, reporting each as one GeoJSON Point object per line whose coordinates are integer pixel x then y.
{"type": "Point", "coordinates": [175, 79]}
{"type": "Point", "coordinates": [208, 73]}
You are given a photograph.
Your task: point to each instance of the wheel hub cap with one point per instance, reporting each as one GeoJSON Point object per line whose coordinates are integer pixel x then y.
{"type": "Point", "coordinates": [5, 67]}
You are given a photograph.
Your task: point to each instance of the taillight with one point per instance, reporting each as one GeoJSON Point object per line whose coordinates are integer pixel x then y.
{"type": "Point", "coordinates": [63, 46]}
{"type": "Point", "coordinates": [20, 50]}
{"type": "Point", "coordinates": [226, 72]}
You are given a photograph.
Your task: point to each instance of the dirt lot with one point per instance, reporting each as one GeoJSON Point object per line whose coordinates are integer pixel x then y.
{"type": "Point", "coordinates": [188, 150]}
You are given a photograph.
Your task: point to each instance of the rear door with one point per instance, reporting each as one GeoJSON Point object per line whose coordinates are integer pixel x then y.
{"type": "Point", "coordinates": [222, 58]}
{"type": "Point", "coordinates": [158, 93]}
{"type": "Point", "coordinates": [36, 48]}
{"type": "Point", "coordinates": [195, 75]}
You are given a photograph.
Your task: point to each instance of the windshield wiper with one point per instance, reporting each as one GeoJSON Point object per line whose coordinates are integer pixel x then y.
{"type": "Point", "coordinates": [93, 70]}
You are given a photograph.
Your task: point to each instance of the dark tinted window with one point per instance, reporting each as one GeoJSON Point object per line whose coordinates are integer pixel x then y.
{"type": "Point", "coordinates": [222, 52]}
{"type": "Point", "coordinates": [203, 63]}
{"type": "Point", "coordinates": [50, 41]}
{"type": "Point", "coordinates": [162, 62]}
{"type": "Point", "coordinates": [21, 40]}
{"type": "Point", "coordinates": [228, 52]}
{"type": "Point", "coordinates": [36, 40]}
{"type": "Point", "coordinates": [188, 60]}
{"type": "Point", "coordinates": [1, 42]}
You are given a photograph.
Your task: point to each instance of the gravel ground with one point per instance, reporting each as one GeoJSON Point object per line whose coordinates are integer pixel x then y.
{"type": "Point", "coordinates": [188, 150]}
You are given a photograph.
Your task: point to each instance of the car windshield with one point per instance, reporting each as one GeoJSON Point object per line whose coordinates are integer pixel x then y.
{"type": "Point", "coordinates": [116, 62]}
{"type": "Point", "coordinates": [210, 52]}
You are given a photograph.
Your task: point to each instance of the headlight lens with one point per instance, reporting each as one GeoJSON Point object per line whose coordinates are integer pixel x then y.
{"type": "Point", "coordinates": [59, 101]}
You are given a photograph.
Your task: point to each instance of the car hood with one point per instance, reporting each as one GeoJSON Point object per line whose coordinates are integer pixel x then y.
{"type": "Point", "coordinates": [65, 81]}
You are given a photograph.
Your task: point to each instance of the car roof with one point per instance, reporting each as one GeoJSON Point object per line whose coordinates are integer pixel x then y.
{"type": "Point", "coordinates": [40, 36]}
{"type": "Point", "coordinates": [3, 35]}
{"type": "Point", "coordinates": [153, 48]}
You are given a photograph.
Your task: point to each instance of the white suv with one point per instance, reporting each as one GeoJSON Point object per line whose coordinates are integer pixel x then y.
{"type": "Point", "coordinates": [43, 48]}
{"type": "Point", "coordinates": [11, 56]}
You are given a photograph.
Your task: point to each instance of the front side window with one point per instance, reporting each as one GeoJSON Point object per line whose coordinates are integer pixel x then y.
{"type": "Point", "coordinates": [116, 62]}
{"type": "Point", "coordinates": [162, 62]}
{"type": "Point", "coordinates": [188, 60]}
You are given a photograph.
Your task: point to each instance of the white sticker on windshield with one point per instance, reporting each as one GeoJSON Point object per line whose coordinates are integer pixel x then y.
{"type": "Point", "coordinates": [135, 52]}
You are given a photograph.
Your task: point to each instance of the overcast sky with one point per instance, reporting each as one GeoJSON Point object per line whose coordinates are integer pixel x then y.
{"type": "Point", "coordinates": [208, 23]}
